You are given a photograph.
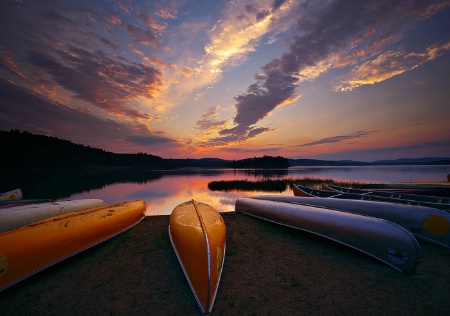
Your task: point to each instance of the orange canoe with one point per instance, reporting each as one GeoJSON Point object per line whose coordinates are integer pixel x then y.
{"type": "Point", "coordinates": [197, 232]}
{"type": "Point", "coordinates": [32, 248]}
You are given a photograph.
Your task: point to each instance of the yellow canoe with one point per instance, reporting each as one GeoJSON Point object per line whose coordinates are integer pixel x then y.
{"type": "Point", "coordinates": [32, 248]}
{"type": "Point", "coordinates": [197, 232]}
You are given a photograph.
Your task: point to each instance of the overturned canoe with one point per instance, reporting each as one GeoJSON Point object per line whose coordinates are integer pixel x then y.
{"type": "Point", "coordinates": [439, 201]}
{"type": "Point", "coordinates": [423, 222]}
{"type": "Point", "coordinates": [378, 238]}
{"type": "Point", "coordinates": [15, 194]}
{"type": "Point", "coordinates": [197, 232]}
{"type": "Point", "coordinates": [305, 191]}
{"type": "Point", "coordinates": [32, 248]}
{"type": "Point", "coordinates": [12, 218]}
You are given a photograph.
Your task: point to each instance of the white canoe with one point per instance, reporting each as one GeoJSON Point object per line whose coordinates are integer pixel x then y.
{"type": "Point", "coordinates": [423, 222]}
{"type": "Point", "coordinates": [15, 194]}
{"type": "Point", "coordinates": [12, 218]}
{"type": "Point", "coordinates": [381, 239]}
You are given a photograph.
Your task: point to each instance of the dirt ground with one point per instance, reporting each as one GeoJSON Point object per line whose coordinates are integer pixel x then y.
{"type": "Point", "coordinates": [269, 270]}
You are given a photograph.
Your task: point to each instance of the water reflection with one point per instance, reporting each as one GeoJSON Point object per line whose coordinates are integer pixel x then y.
{"type": "Point", "coordinates": [163, 193]}
{"type": "Point", "coordinates": [163, 190]}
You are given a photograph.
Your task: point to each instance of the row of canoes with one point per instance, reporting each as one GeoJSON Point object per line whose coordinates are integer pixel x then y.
{"type": "Point", "coordinates": [36, 234]}
{"type": "Point", "coordinates": [382, 230]}
{"type": "Point", "coordinates": [441, 203]}
{"type": "Point", "coordinates": [385, 231]}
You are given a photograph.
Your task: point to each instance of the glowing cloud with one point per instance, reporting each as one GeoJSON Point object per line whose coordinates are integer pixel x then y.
{"type": "Point", "coordinates": [388, 65]}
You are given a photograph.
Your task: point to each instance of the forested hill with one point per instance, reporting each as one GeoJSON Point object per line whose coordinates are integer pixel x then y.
{"type": "Point", "coordinates": [25, 150]}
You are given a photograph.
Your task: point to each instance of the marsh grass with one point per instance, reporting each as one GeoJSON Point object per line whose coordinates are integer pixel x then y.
{"type": "Point", "coordinates": [276, 185]}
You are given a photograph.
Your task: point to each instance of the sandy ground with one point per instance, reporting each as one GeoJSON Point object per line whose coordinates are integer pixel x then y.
{"type": "Point", "coordinates": [269, 270]}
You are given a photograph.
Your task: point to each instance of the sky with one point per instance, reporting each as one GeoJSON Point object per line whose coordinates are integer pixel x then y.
{"type": "Point", "coordinates": [337, 79]}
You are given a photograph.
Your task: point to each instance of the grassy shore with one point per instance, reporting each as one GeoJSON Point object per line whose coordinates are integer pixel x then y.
{"type": "Point", "coordinates": [269, 270]}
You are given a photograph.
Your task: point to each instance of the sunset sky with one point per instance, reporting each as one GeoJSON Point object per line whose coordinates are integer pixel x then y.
{"type": "Point", "coordinates": [342, 79]}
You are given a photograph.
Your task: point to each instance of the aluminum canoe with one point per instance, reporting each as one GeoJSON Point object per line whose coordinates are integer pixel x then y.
{"type": "Point", "coordinates": [378, 238]}
{"type": "Point", "coordinates": [423, 222]}
{"type": "Point", "coordinates": [12, 218]}
{"type": "Point", "coordinates": [438, 201]}
{"type": "Point", "coordinates": [306, 191]}
{"type": "Point", "coordinates": [197, 233]}
{"type": "Point", "coordinates": [29, 249]}
{"type": "Point", "coordinates": [15, 194]}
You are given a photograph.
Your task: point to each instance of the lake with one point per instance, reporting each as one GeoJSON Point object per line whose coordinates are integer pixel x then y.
{"type": "Point", "coordinates": [163, 190]}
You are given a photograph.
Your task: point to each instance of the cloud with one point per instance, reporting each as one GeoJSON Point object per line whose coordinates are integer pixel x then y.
{"type": "Point", "coordinates": [95, 78]}
{"type": "Point", "coordinates": [80, 50]}
{"type": "Point", "coordinates": [337, 139]}
{"type": "Point", "coordinates": [39, 115]}
{"type": "Point", "coordinates": [388, 65]}
{"type": "Point", "coordinates": [151, 140]}
{"type": "Point", "coordinates": [239, 32]}
{"type": "Point", "coordinates": [324, 30]}
{"type": "Point", "coordinates": [209, 121]}
{"type": "Point", "coordinates": [418, 150]}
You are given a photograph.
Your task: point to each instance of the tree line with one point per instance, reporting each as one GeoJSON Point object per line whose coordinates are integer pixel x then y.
{"type": "Point", "coordinates": [21, 149]}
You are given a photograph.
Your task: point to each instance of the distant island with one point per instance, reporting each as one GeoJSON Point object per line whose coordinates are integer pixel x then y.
{"type": "Point", "coordinates": [22, 149]}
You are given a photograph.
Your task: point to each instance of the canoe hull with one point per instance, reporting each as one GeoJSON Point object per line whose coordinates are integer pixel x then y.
{"type": "Point", "coordinates": [423, 222]}
{"type": "Point", "coordinates": [12, 218]}
{"type": "Point", "coordinates": [197, 233]}
{"type": "Point", "coordinates": [32, 248]}
{"type": "Point", "coordinates": [380, 239]}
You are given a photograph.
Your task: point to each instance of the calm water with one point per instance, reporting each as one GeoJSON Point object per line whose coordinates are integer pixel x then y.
{"type": "Point", "coordinates": [164, 192]}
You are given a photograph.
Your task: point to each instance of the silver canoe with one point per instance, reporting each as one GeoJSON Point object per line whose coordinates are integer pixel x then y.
{"type": "Point", "coordinates": [438, 201]}
{"type": "Point", "coordinates": [306, 191]}
{"type": "Point", "coordinates": [381, 239]}
{"type": "Point", "coordinates": [12, 218]}
{"type": "Point", "coordinates": [423, 222]}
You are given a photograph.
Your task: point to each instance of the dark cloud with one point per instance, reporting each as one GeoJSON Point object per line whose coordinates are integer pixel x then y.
{"type": "Point", "coordinates": [146, 37]}
{"type": "Point", "coordinates": [337, 139]}
{"type": "Point", "coordinates": [151, 140]}
{"type": "Point", "coordinates": [322, 30]}
{"type": "Point", "coordinates": [209, 120]}
{"type": "Point", "coordinates": [277, 4]}
{"type": "Point", "coordinates": [66, 44]}
{"type": "Point", "coordinates": [439, 149]}
{"type": "Point", "coordinates": [95, 78]}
